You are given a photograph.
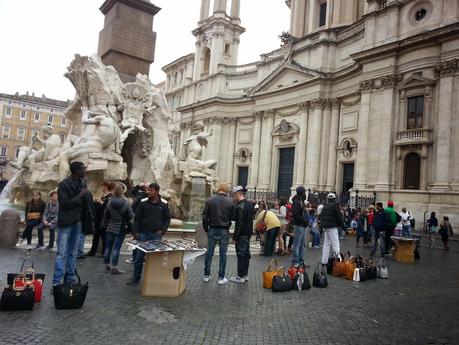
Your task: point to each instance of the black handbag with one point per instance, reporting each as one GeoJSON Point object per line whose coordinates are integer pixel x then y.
{"type": "Point", "coordinates": [19, 296]}
{"type": "Point", "coordinates": [70, 295]}
{"type": "Point", "coordinates": [320, 277]}
{"type": "Point", "coordinates": [10, 276]}
{"type": "Point", "coordinates": [417, 256]}
{"type": "Point", "coordinates": [301, 281]}
{"type": "Point", "coordinates": [282, 282]}
{"type": "Point", "coordinates": [371, 270]}
{"type": "Point", "coordinates": [331, 262]}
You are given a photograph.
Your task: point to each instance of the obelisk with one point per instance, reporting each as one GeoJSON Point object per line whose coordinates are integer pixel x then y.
{"type": "Point", "coordinates": [127, 41]}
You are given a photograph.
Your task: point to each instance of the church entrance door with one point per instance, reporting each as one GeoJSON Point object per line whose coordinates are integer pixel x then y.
{"type": "Point", "coordinates": [285, 173]}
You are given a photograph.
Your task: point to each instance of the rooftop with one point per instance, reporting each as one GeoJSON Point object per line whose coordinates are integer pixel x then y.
{"type": "Point", "coordinates": [34, 99]}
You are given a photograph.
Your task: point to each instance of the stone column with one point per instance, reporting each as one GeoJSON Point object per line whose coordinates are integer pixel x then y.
{"type": "Point", "coordinates": [298, 18]}
{"type": "Point", "coordinates": [235, 9]}
{"type": "Point", "coordinates": [443, 137]}
{"type": "Point", "coordinates": [266, 150]}
{"type": "Point", "coordinates": [360, 180]}
{"type": "Point", "coordinates": [334, 128]}
{"type": "Point", "coordinates": [313, 144]}
{"type": "Point", "coordinates": [385, 129]}
{"type": "Point", "coordinates": [301, 146]}
{"type": "Point", "coordinates": [204, 10]}
{"type": "Point", "coordinates": [220, 6]}
{"type": "Point", "coordinates": [312, 15]}
{"type": "Point", "coordinates": [324, 146]}
{"type": "Point", "coordinates": [232, 143]}
{"type": "Point", "coordinates": [253, 178]}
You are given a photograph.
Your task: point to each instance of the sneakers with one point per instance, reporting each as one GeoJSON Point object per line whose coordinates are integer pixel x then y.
{"type": "Point", "coordinates": [246, 278]}
{"type": "Point", "coordinates": [132, 281]}
{"type": "Point", "coordinates": [29, 247]}
{"type": "Point", "coordinates": [38, 247]}
{"type": "Point", "coordinates": [20, 243]}
{"type": "Point", "coordinates": [237, 279]}
{"type": "Point", "coordinates": [222, 281]}
{"type": "Point", "coordinates": [108, 269]}
{"type": "Point", "coordinates": [316, 247]}
{"type": "Point", "coordinates": [206, 279]}
{"type": "Point", "coordinates": [130, 261]}
{"type": "Point", "coordinates": [117, 271]}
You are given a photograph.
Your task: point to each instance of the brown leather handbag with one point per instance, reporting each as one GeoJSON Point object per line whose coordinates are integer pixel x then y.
{"type": "Point", "coordinates": [339, 266]}
{"type": "Point", "coordinates": [349, 267]}
{"type": "Point", "coordinates": [269, 274]}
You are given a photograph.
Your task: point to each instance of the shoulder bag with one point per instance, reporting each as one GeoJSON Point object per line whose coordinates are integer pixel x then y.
{"type": "Point", "coordinates": [70, 295]}
{"type": "Point", "coordinates": [320, 277]}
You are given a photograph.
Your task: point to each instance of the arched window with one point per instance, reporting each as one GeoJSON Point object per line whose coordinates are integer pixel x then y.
{"type": "Point", "coordinates": [412, 171]}
{"type": "Point", "coordinates": [206, 62]}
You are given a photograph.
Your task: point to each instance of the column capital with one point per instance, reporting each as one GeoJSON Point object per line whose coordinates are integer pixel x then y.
{"type": "Point", "coordinates": [317, 103]}
{"type": "Point", "coordinates": [445, 68]}
{"type": "Point", "coordinates": [303, 106]}
{"type": "Point", "coordinates": [335, 102]}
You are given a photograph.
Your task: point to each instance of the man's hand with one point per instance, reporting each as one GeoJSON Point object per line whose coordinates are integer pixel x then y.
{"type": "Point", "coordinates": [45, 223]}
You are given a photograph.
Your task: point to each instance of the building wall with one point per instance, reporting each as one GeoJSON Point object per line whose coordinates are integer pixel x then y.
{"type": "Point", "coordinates": [27, 114]}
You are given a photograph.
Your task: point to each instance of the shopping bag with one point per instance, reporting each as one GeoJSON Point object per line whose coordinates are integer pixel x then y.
{"type": "Point", "coordinates": [269, 274]}
{"type": "Point", "coordinates": [70, 295]}
{"type": "Point", "coordinates": [19, 296]}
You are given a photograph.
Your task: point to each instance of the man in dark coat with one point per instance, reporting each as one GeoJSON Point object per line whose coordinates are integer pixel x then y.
{"type": "Point", "coordinates": [299, 224]}
{"type": "Point", "coordinates": [331, 219]}
{"type": "Point", "coordinates": [72, 194]}
{"type": "Point", "coordinates": [380, 224]}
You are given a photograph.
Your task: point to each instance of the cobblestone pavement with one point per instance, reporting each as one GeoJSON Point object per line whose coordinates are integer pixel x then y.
{"type": "Point", "coordinates": [418, 304]}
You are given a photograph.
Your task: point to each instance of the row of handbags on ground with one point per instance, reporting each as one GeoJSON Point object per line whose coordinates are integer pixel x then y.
{"type": "Point", "coordinates": [356, 268]}
{"type": "Point", "coordinates": [296, 278]}
{"type": "Point", "coordinates": [25, 289]}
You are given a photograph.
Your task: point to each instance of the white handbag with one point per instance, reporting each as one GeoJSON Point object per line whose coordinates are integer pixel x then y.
{"type": "Point", "coordinates": [356, 276]}
{"type": "Point", "coordinates": [382, 269]}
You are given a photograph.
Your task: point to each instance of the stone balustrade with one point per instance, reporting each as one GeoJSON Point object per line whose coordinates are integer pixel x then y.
{"type": "Point", "coordinates": [414, 136]}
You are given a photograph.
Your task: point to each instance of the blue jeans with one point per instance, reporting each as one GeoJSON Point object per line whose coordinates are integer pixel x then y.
{"type": "Point", "coordinates": [81, 244]}
{"type": "Point", "coordinates": [299, 234]}
{"type": "Point", "coordinates": [67, 247]}
{"type": "Point", "coordinates": [379, 237]}
{"type": "Point", "coordinates": [315, 236]}
{"type": "Point", "coordinates": [221, 236]}
{"type": "Point", "coordinates": [140, 255]}
{"type": "Point", "coordinates": [406, 230]}
{"type": "Point", "coordinates": [113, 243]}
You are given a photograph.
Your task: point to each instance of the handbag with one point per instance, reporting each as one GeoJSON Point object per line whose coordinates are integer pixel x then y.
{"type": "Point", "coordinates": [261, 225]}
{"type": "Point", "coordinates": [356, 276]}
{"type": "Point", "coordinates": [371, 270]}
{"type": "Point", "coordinates": [301, 281]}
{"type": "Point", "coordinates": [416, 253]}
{"type": "Point", "coordinates": [349, 267]}
{"type": "Point", "coordinates": [19, 296]}
{"type": "Point", "coordinates": [31, 277]}
{"type": "Point", "coordinates": [269, 274]}
{"type": "Point", "coordinates": [331, 262]}
{"type": "Point", "coordinates": [282, 282]}
{"type": "Point", "coordinates": [70, 295]}
{"type": "Point", "coordinates": [382, 270]}
{"type": "Point", "coordinates": [320, 277]}
{"type": "Point", "coordinates": [339, 266]}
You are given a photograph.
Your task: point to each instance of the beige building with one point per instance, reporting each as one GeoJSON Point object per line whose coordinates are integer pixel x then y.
{"type": "Point", "coordinates": [22, 117]}
{"type": "Point", "coordinates": [362, 94]}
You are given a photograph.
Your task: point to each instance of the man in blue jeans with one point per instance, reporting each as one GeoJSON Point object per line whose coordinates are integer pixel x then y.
{"type": "Point", "coordinates": [71, 193]}
{"type": "Point", "coordinates": [151, 221]}
{"type": "Point", "coordinates": [299, 223]}
{"type": "Point", "coordinates": [216, 221]}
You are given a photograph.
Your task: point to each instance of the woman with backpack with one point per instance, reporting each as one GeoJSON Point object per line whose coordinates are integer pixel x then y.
{"type": "Point", "coordinates": [117, 219]}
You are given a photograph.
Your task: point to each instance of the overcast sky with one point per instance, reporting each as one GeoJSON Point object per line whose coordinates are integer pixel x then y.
{"type": "Point", "coordinates": [40, 37]}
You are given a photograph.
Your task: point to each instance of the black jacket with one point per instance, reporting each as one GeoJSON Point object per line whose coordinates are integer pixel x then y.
{"type": "Point", "coordinates": [99, 212]}
{"type": "Point", "coordinates": [381, 221]}
{"type": "Point", "coordinates": [35, 207]}
{"type": "Point", "coordinates": [151, 217]}
{"type": "Point", "coordinates": [87, 214]}
{"type": "Point", "coordinates": [243, 217]}
{"type": "Point", "coordinates": [70, 203]}
{"type": "Point", "coordinates": [138, 194]}
{"type": "Point", "coordinates": [331, 216]}
{"type": "Point", "coordinates": [218, 212]}
{"type": "Point", "coordinates": [298, 214]}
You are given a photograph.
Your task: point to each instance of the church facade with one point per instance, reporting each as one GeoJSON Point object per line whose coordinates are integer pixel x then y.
{"type": "Point", "coordinates": [362, 95]}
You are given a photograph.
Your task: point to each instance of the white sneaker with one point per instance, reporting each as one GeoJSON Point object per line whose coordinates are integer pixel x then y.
{"type": "Point", "coordinates": [29, 246]}
{"type": "Point", "coordinates": [237, 279]}
{"type": "Point", "coordinates": [222, 281]}
{"type": "Point", "coordinates": [206, 279]}
{"type": "Point", "coordinates": [246, 278]}
{"type": "Point", "coordinates": [130, 261]}
{"type": "Point", "coordinates": [19, 244]}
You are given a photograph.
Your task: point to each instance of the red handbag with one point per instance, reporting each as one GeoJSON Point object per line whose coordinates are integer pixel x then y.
{"type": "Point", "coordinates": [33, 281]}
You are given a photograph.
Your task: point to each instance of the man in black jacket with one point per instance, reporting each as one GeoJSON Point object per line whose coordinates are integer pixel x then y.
{"type": "Point", "coordinates": [299, 224]}
{"type": "Point", "coordinates": [330, 220]}
{"type": "Point", "coordinates": [216, 221]}
{"type": "Point", "coordinates": [71, 196]}
{"type": "Point", "coordinates": [139, 193]}
{"type": "Point", "coordinates": [380, 224]}
{"type": "Point", "coordinates": [243, 217]}
{"type": "Point", "coordinates": [151, 222]}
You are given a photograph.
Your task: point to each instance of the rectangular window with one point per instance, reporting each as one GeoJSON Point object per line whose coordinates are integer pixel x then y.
{"type": "Point", "coordinates": [6, 132]}
{"type": "Point", "coordinates": [7, 111]}
{"type": "Point", "coordinates": [322, 14]}
{"type": "Point", "coordinates": [18, 149]}
{"type": "Point", "coordinates": [50, 118]}
{"type": "Point", "coordinates": [227, 48]}
{"type": "Point", "coordinates": [62, 135]}
{"type": "Point", "coordinates": [415, 112]}
{"type": "Point", "coordinates": [36, 117]}
{"type": "Point", "coordinates": [63, 121]}
{"type": "Point", "coordinates": [3, 151]}
{"type": "Point", "coordinates": [23, 115]}
{"type": "Point", "coordinates": [21, 133]}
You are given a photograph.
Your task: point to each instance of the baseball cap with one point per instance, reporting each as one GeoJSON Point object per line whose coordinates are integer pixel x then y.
{"type": "Point", "coordinates": [239, 189]}
{"type": "Point", "coordinates": [390, 203]}
{"type": "Point", "coordinates": [300, 190]}
{"type": "Point", "coordinates": [331, 196]}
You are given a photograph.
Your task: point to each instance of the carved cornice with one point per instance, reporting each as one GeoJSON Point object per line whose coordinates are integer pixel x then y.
{"type": "Point", "coordinates": [317, 103]}
{"type": "Point", "coordinates": [335, 102]}
{"type": "Point", "coordinates": [445, 68]}
{"type": "Point", "coordinates": [386, 81]}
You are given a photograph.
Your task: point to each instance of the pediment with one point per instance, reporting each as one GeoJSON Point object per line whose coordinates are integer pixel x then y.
{"type": "Point", "coordinates": [415, 80]}
{"type": "Point", "coordinates": [286, 75]}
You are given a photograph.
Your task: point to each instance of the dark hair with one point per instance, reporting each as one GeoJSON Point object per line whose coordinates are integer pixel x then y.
{"type": "Point", "coordinates": [154, 186]}
{"type": "Point", "coordinates": [446, 218]}
{"type": "Point", "coordinates": [432, 215]}
{"type": "Point", "coordinates": [379, 204]}
{"type": "Point", "coordinates": [282, 201]}
{"type": "Point", "coordinates": [75, 167]}
{"type": "Point", "coordinates": [109, 185]}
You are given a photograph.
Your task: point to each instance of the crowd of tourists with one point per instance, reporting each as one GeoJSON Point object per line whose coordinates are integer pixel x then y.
{"type": "Point", "coordinates": [282, 228]}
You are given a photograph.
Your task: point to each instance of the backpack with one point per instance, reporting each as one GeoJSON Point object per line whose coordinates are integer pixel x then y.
{"type": "Point", "coordinates": [288, 216]}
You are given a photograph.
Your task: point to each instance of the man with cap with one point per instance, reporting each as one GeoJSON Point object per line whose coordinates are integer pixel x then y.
{"type": "Point", "coordinates": [330, 220]}
{"type": "Point", "coordinates": [243, 218]}
{"type": "Point", "coordinates": [392, 223]}
{"type": "Point", "coordinates": [151, 221]}
{"type": "Point", "coordinates": [299, 224]}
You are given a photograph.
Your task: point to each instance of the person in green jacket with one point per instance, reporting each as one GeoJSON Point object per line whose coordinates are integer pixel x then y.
{"type": "Point", "coordinates": [392, 217]}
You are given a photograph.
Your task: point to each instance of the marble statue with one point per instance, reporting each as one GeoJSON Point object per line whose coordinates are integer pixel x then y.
{"type": "Point", "coordinates": [194, 147]}
{"type": "Point", "coordinates": [28, 157]}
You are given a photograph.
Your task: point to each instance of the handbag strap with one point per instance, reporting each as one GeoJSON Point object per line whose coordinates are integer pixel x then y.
{"type": "Point", "coordinates": [76, 273]}
{"type": "Point", "coordinates": [27, 257]}
{"type": "Point", "coordinates": [16, 278]}
{"type": "Point", "coordinates": [270, 264]}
